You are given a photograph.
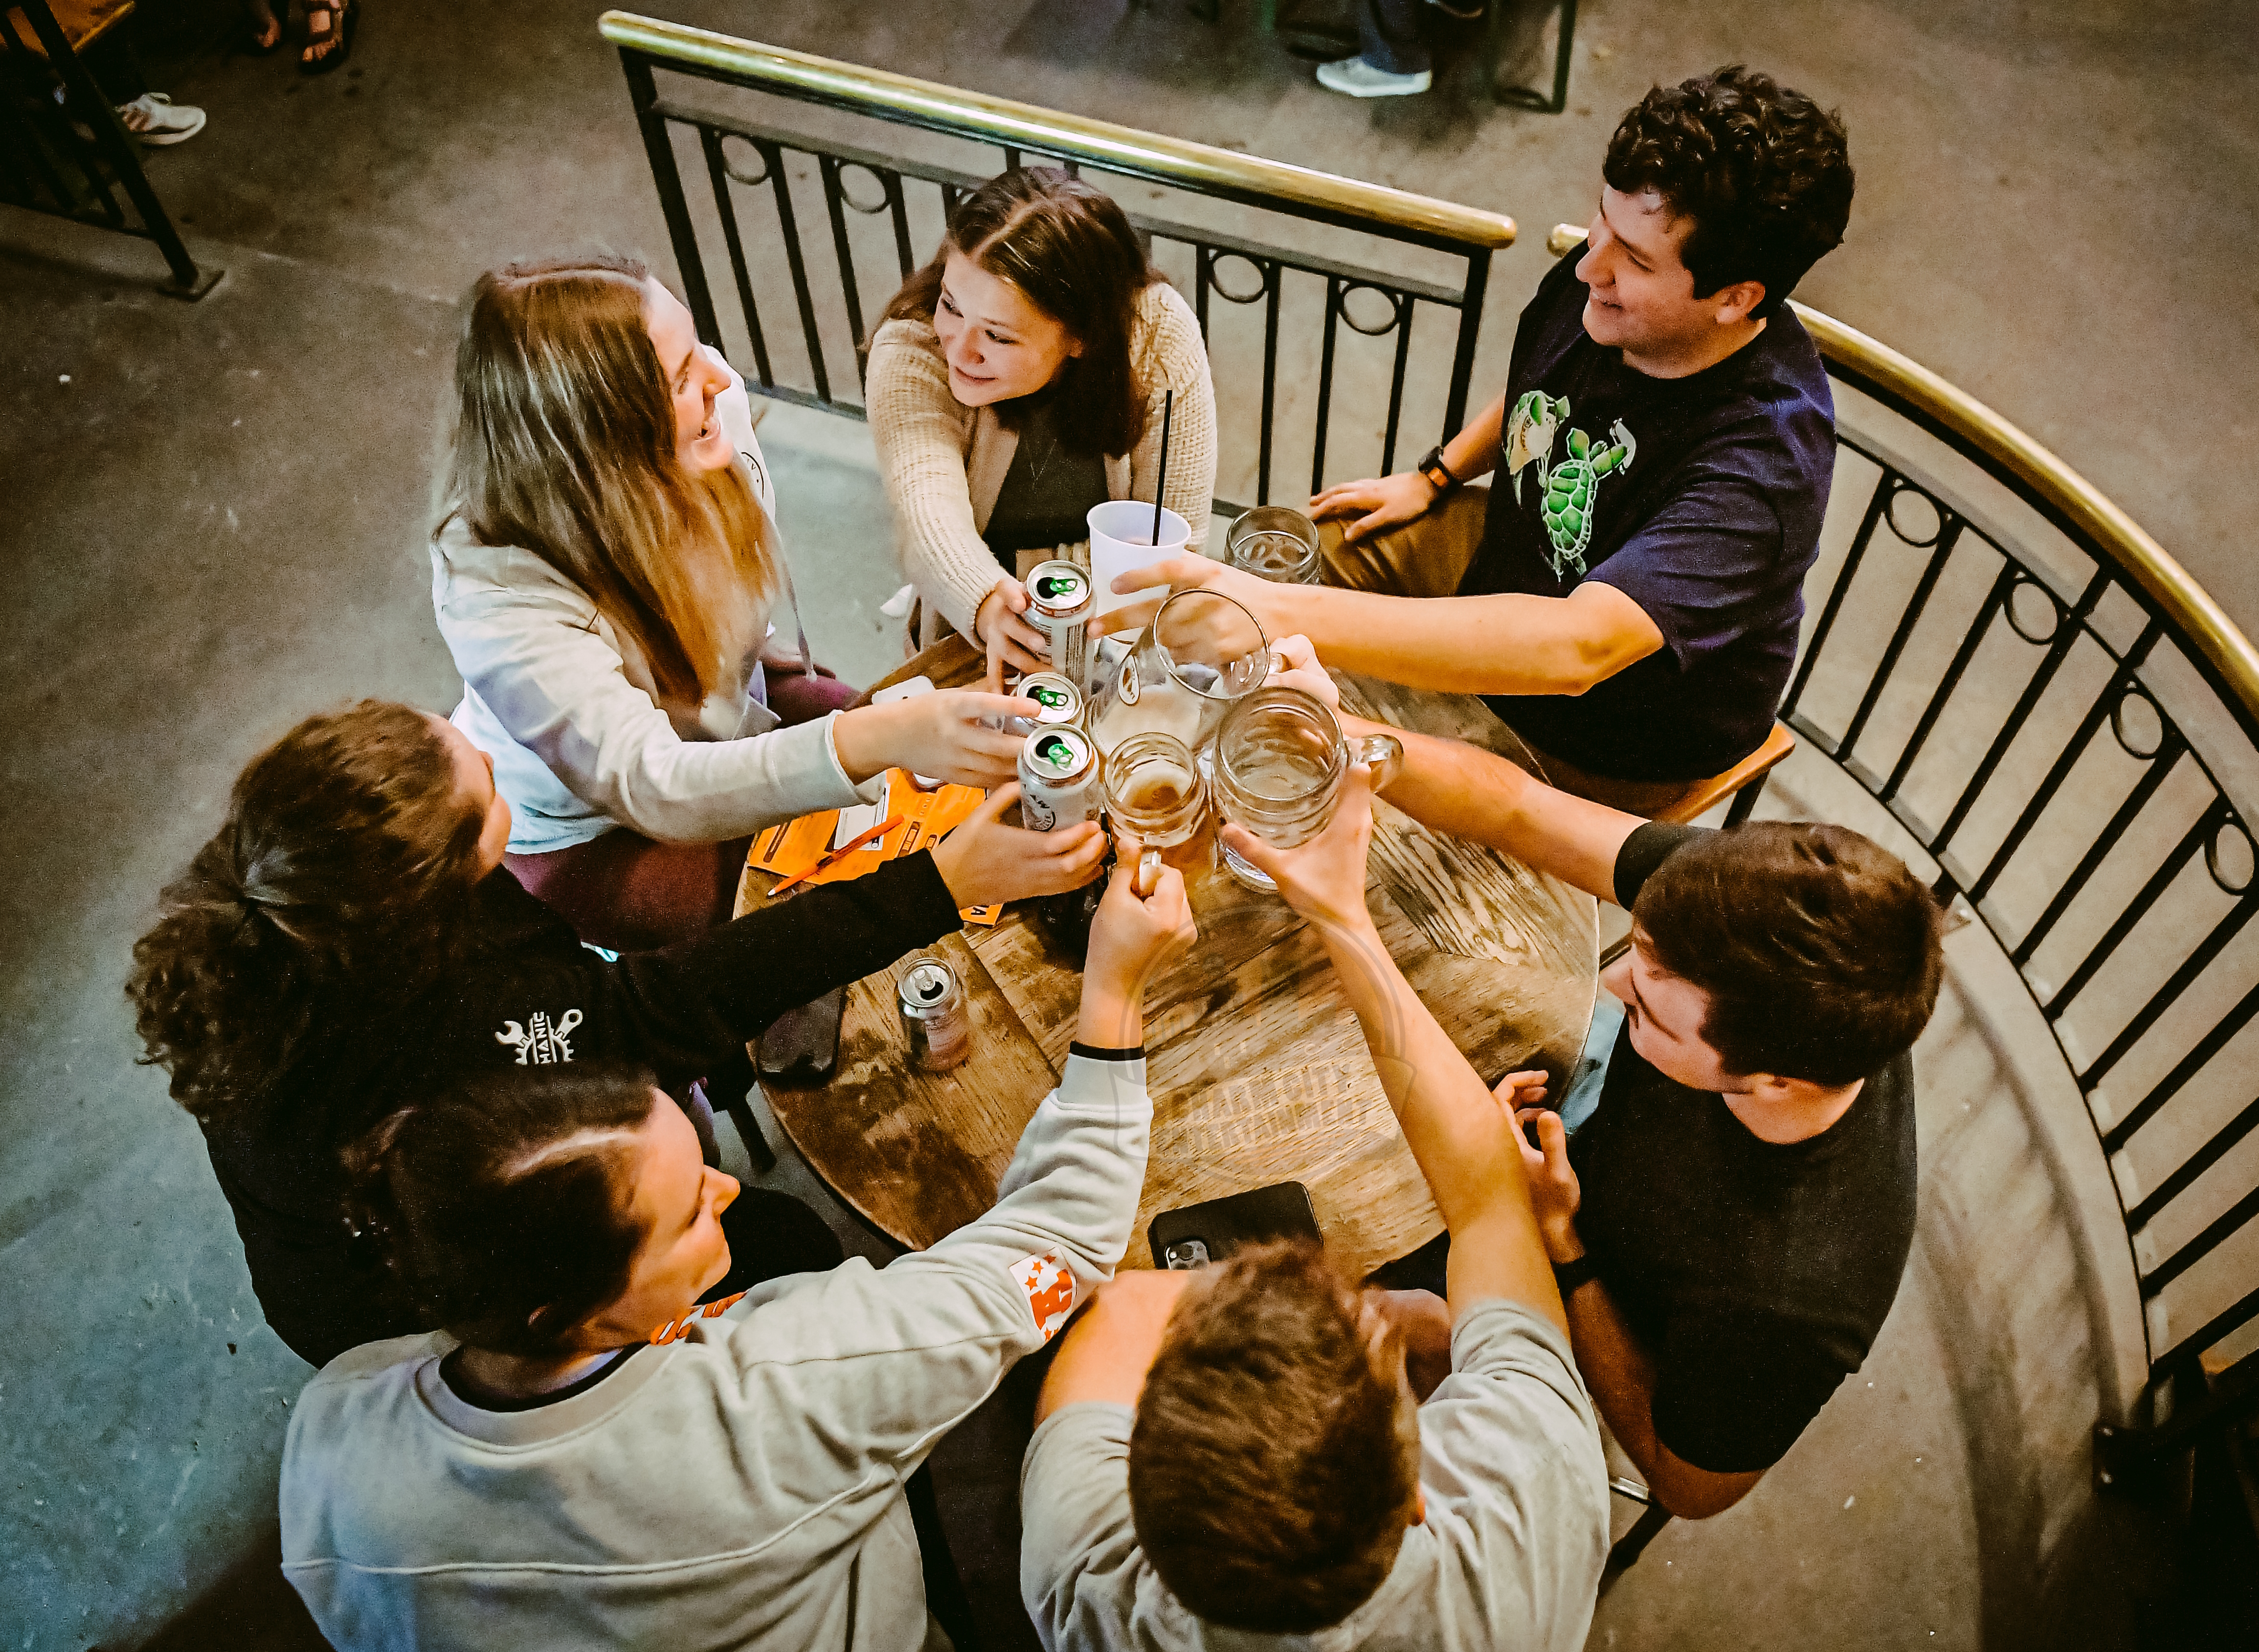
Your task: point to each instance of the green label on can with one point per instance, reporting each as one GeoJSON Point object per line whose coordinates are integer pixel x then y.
{"type": "Point", "coordinates": [1057, 753]}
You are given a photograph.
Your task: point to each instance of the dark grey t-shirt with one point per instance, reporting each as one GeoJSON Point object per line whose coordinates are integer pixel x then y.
{"type": "Point", "coordinates": [1755, 1275]}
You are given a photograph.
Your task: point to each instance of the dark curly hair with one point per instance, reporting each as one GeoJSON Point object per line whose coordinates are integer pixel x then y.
{"type": "Point", "coordinates": [1070, 248]}
{"type": "Point", "coordinates": [503, 1203]}
{"type": "Point", "coordinates": [1763, 172]}
{"type": "Point", "coordinates": [1816, 947]}
{"type": "Point", "coordinates": [337, 885]}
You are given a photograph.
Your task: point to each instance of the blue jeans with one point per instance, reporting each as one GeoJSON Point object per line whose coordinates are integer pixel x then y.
{"type": "Point", "coordinates": [1389, 32]}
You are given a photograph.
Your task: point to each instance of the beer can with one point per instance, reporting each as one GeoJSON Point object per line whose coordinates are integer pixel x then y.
{"type": "Point", "coordinates": [934, 1018]}
{"type": "Point", "coordinates": [1060, 699]}
{"type": "Point", "coordinates": [1060, 602]}
{"type": "Point", "coordinates": [1062, 779]}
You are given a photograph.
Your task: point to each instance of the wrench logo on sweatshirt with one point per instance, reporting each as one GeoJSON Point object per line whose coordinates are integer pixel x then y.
{"type": "Point", "coordinates": [1050, 1286]}
{"type": "Point", "coordinates": [546, 1042]}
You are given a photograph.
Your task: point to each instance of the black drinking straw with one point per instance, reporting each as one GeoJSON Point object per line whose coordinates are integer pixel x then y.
{"type": "Point", "coordinates": [1161, 475]}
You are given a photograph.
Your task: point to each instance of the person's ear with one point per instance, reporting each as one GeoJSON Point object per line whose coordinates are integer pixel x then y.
{"type": "Point", "coordinates": [1734, 301]}
{"type": "Point", "coordinates": [1073, 348]}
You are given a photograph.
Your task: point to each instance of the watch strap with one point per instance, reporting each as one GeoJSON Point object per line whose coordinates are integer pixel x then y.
{"type": "Point", "coordinates": [1568, 1276]}
{"type": "Point", "coordinates": [1438, 473]}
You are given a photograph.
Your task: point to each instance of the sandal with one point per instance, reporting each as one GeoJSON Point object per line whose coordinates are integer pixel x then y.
{"type": "Point", "coordinates": [337, 18]}
{"type": "Point", "coordinates": [162, 120]}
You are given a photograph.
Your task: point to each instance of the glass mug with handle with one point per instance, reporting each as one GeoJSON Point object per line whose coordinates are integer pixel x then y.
{"type": "Point", "coordinates": [1275, 542]}
{"type": "Point", "coordinates": [1199, 654]}
{"type": "Point", "coordinates": [1155, 793]}
{"type": "Point", "coordinates": [1281, 759]}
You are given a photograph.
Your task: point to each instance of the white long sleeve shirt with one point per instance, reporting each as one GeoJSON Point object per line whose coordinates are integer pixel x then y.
{"type": "Point", "coordinates": [740, 1486]}
{"type": "Point", "coordinates": [581, 739]}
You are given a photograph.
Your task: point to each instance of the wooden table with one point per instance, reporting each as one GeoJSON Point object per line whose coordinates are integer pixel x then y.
{"type": "Point", "coordinates": [1257, 1070]}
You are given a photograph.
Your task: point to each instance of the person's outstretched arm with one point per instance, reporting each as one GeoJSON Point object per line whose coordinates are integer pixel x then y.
{"type": "Point", "coordinates": [1462, 1138]}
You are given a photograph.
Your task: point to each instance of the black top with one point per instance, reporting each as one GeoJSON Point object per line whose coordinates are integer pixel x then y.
{"type": "Point", "coordinates": [1047, 493]}
{"type": "Point", "coordinates": [1700, 498]}
{"type": "Point", "coordinates": [527, 991]}
{"type": "Point", "coordinates": [1754, 1275]}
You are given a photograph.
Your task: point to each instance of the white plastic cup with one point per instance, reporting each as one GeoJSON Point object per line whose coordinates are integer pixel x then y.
{"type": "Point", "coordinates": [1122, 541]}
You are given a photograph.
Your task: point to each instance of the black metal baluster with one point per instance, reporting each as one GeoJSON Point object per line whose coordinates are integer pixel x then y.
{"type": "Point", "coordinates": [899, 208]}
{"type": "Point", "coordinates": [2198, 1162]}
{"type": "Point", "coordinates": [1948, 536]}
{"type": "Point", "coordinates": [1203, 273]}
{"type": "Point", "coordinates": [834, 204]}
{"type": "Point", "coordinates": [1841, 589]}
{"type": "Point", "coordinates": [1994, 599]}
{"type": "Point", "coordinates": [2221, 1325]}
{"type": "Point", "coordinates": [1462, 353]}
{"type": "Point", "coordinates": [2186, 1068]}
{"type": "Point", "coordinates": [718, 170]}
{"type": "Point", "coordinates": [2201, 1245]}
{"type": "Point", "coordinates": [2160, 766]}
{"type": "Point", "coordinates": [773, 156]}
{"type": "Point", "coordinates": [1396, 384]}
{"type": "Point", "coordinates": [2161, 1001]}
{"type": "Point", "coordinates": [2069, 627]}
{"type": "Point", "coordinates": [1325, 383]}
{"type": "Point", "coordinates": [2174, 864]}
{"type": "Point", "coordinates": [673, 206]}
{"type": "Point", "coordinates": [1272, 280]}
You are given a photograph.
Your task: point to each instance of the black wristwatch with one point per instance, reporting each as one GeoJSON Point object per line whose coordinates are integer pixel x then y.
{"type": "Point", "coordinates": [1568, 1275]}
{"type": "Point", "coordinates": [1438, 473]}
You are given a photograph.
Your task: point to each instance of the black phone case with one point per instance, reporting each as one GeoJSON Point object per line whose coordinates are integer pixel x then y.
{"type": "Point", "coordinates": [1222, 1226]}
{"type": "Point", "coordinates": [801, 1046]}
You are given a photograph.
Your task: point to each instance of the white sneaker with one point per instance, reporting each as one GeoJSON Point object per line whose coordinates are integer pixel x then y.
{"type": "Point", "coordinates": [157, 121]}
{"type": "Point", "coordinates": [1357, 78]}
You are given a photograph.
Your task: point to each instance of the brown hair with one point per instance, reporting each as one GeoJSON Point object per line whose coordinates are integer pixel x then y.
{"type": "Point", "coordinates": [1764, 173]}
{"type": "Point", "coordinates": [504, 1205]}
{"type": "Point", "coordinates": [1817, 948]}
{"type": "Point", "coordinates": [338, 883]}
{"type": "Point", "coordinates": [1274, 1463]}
{"type": "Point", "coordinates": [1070, 249]}
{"type": "Point", "coordinates": [564, 443]}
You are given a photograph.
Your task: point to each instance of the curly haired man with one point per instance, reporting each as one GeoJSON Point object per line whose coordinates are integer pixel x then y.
{"type": "Point", "coordinates": [1628, 595]}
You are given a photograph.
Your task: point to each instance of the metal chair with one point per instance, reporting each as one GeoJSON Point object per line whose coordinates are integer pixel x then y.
{"type": "Point", "coordinates": [1628, 1548]}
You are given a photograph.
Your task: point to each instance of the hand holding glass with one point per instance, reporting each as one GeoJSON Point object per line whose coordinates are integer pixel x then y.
{"type": "Point", "coordinates": [1280, 758]}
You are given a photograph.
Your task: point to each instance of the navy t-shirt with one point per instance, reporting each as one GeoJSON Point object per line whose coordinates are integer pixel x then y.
{"type": "Point", "coordinates": [1700, 498]}
{"type": "Point", "coordinates": [1754, 1274]}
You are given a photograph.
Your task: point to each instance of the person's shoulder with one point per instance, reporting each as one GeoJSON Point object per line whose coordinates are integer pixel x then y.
{"type": "Point", "coordinates": [355, 1372]}
{"type": "Point", "coordinates": [905, 339]}
{"type": "Point", "coordinates": [469, 568]}
{"type": "Point", "coordinates": [1167, 328]}
{"type": "Point", "coordinates": [1788, 378]}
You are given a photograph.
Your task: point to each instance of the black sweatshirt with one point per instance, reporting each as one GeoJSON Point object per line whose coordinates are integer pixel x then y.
{"type": "Point", "coordinates": [525, 991]}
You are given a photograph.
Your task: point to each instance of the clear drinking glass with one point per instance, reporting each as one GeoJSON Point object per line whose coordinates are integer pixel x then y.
{"type": "Point", "coordinates": [1280, 759]}
{"type": "Point", "coordinates": [1154, 792]}
{"type": "Point", "coordinates": [1199, 654]}
{"type": "Point", "coordinates": [1275, 542]}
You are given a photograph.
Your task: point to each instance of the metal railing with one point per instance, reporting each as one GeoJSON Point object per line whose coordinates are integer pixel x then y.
{"type": "Point", "coordinates": [740, 156]}
{"type": "Point", "coordinates": [70, 159]}
{"type": "Point", "coordinates": [2042, 699]}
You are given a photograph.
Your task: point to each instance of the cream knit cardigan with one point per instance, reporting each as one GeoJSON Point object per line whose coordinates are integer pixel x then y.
{"type": "Point", "coordinates": [944, 463]}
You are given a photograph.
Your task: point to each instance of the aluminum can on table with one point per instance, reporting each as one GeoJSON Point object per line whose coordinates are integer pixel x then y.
{"type": "Point", "coordinates": [1062, 779]}
{"type": "Point", "coordinates": [1060, 699]}
{"type": "Point", "coordinates": [935, 1021]}
{"type": "Point", "coordinates": [1060, 603]}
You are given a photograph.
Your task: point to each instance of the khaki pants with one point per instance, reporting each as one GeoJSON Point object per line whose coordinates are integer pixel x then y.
{"type": "Point", "coordinates": [1429, 557]}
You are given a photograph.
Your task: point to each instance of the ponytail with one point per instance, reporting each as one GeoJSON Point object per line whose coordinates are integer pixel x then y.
{"type": "Point", "coordinates": [340, 880]}
{"type": "Point", "coordinates": [502, 1205]}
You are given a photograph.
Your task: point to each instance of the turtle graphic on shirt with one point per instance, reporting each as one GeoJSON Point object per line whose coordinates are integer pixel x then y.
{"type": "Point", "coordinates": [1566, 491]}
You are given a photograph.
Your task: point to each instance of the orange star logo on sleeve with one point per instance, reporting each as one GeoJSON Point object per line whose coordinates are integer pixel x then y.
{"type": "Point", "coordinates": [1050, 1287]}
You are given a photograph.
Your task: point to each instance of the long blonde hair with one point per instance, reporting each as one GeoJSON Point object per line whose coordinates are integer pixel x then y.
{"type": "Point", "coordinates": [563, 443]}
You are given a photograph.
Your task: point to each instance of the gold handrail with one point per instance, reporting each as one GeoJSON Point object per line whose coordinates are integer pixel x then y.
{"type": "Point", "coordinates": [1124, 149]}
{"type": "Point", "coordinates": [2186, 606]}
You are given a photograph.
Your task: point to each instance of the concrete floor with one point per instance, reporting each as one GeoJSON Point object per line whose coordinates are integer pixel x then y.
{"type": "Point", "coordinates": [217, 509]}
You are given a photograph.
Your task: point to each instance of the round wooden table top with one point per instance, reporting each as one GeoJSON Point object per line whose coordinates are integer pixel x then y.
{"type": "Point", "coordinates": [1257, 1070]}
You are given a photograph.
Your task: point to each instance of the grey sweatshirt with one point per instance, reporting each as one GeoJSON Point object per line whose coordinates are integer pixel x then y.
{"type": "Point", "coordinates": [742, 1484]}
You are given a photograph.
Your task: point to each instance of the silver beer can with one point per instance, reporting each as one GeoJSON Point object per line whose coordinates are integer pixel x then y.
{"type": "Point", "coordinates": [935, 1021]}
{"type": "Point", "coordinates": [1060, 699]}
{"type": "Point", "coordinates": [1060, 602]}
{"type": "Point", "coordinates": [1062, 779]}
